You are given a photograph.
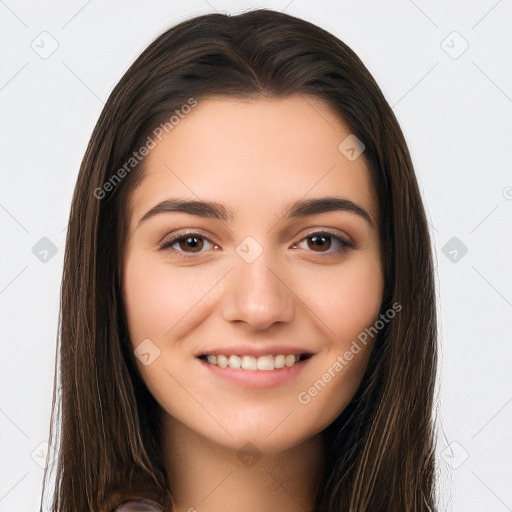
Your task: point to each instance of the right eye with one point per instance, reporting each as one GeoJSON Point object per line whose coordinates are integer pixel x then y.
{"type": "Point", "coordinates": [185, 241]}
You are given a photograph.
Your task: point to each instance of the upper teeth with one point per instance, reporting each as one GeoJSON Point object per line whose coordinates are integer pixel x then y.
{"type": "Point", "coordinates": [268, 362]}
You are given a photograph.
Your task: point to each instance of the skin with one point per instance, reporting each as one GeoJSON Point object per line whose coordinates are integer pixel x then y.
{"type": "Point", "coordinates": [255, 156]}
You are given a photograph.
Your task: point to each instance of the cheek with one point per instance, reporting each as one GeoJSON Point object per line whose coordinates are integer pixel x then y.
{"type": "Point", "coordinates": [157, 298]}
{"type": "Point", "coordinates": [144, 299]}
{"type": "Point", "coordinates": [347, 299]}
{"type": "Point", "coordinates": [353, 305]}
{"type": "Point", "coordinates": [360, 300]}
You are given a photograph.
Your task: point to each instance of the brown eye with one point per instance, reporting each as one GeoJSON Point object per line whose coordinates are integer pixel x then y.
{"type": "Point", "coordinates": [188, 244]}
{"type": "Point", "coordinates": [193, 242]}
{"type": "Point", "coordinates": [320, 242]}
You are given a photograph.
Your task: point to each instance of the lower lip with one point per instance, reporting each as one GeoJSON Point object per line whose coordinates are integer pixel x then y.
{"type": "Point", "coordinates": [257, 379]}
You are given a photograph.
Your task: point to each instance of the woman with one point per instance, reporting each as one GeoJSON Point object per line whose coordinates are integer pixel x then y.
{"type": "Point", "coordinates": [248, 301]}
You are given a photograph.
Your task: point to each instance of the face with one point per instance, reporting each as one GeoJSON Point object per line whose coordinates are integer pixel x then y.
{"type": "Point", "coordinates": [250, 277]}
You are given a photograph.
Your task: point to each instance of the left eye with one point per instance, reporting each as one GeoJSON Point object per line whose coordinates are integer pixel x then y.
{"type": "Point", "coordinates": [323, 239]}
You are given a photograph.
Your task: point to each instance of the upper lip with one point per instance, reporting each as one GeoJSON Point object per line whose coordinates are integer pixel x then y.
{"type": "Point", "coordinates": [255, 350]}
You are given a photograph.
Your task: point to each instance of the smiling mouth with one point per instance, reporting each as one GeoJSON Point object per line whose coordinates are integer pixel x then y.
{"type": "Point", "coordinates": [244, 362]}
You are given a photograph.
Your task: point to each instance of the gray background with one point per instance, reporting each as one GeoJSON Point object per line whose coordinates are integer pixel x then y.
{"type": "Point", "coordinates": [60, 60]}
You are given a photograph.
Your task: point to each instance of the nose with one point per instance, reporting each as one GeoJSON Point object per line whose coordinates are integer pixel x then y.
{"type": "Point", "coordinates": [257, 294]}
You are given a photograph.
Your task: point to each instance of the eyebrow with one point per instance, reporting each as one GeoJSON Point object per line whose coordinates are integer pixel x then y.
{"type": "Point", "coordinates": [300, 208]}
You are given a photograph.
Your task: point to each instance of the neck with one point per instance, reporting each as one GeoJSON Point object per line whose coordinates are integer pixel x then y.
{"type": "Point", "coordinates": [209, 477]}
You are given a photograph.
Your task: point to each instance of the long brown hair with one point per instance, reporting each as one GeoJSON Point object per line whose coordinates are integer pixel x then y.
{"type": "Point", "coordinates": [381, 454]}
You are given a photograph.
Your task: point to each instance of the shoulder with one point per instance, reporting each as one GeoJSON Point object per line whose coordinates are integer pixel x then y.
{"type": "Point", "coordinates": [139, 505]}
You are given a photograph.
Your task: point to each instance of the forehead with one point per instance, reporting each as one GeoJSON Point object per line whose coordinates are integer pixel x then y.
{"type": "Point", "coordinates": [253, 154]}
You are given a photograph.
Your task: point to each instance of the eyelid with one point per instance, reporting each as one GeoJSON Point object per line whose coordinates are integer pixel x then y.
{"type": "Point", "coordinates": [187, 231]}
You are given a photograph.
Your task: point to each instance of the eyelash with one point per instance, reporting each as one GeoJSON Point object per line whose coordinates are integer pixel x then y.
{"type": "Point", "coordinates": [167, 244]}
